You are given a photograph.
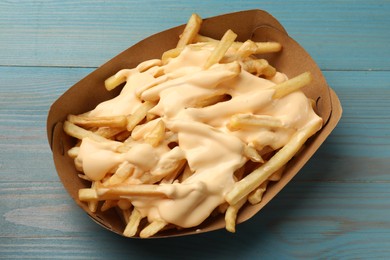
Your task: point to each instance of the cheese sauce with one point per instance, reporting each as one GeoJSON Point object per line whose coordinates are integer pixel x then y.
{"type": "Point", "coordinates": [212, 151]}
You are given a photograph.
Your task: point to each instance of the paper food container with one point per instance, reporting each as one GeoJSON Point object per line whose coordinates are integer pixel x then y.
{"type": "Point", "coordinates": [253, 24]}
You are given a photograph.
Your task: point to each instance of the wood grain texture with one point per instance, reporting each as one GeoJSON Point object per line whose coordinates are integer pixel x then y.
{"type": "Point", "coordinates": [342, 35]}
{"type": "Point", "coordinates": [338, 206]}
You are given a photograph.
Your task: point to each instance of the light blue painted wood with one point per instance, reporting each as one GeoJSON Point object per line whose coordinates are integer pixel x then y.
{"type": "Point", "coordinates": [342, 35]}
{"type": "Point", "coordinates": [300, 222]}
{"type": "Point", "coordinates": [336, 208]}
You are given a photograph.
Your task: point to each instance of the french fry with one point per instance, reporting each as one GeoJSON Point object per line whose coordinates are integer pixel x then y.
{"type": "Point", "coordinates": [212, 100]}
{"type": "Point", "coordinates": [73, 152]}
{"type": "Point", "coordinates": [190, 31]}
{"type": "Point", "coordinates": [153, 228]}
{"type": "Point", "coordinates": [80, 133]}
{"type": "Point", "coordinates": [171, 177]}
{"type": "Point", "coordinates": [114, 81]}
{"type": "Point", "coordinates": [267, 47]}
{"type": "Point", "coordinates": [259, 67]}
{"type": "Point", "coordinates": [121, 174]}
{"type": "Point", "coordinates": [242, 188]}
{"type": "Point", "coordinates": [276, 176]}
{"type": "Point", "coordinates": [145, 66]}
{"type": "Point", "coordinates": [231, 215]}
{"type": "Point", "coordinates": [133, 223]}
{"type": "Point", "coordinates": [157, 134]}
{"type": "Point", "coordinates": [139, 115]}
{"type": "Point", "coordinates": [255, 196]}
{"type": "Point", "coordinates": [247, 49]}
{"type": "Point", "coordinates": [119, 191]}
{"type": "Point", "coordinates": [93, 204]}
{"type": "Point", "coordinates": [109, 132]}
{"type": "Point", "coordinates": [87, 121]}
{"type": "Point", "coordinates": [291, 85]}
{"type": "Point", "coordinates": [88, 194]}
{"type": "Point", "coordinates": [261, 47]}
{"type": "Point", "coordinates": [239, 121]}
{"type": "Point", "coordinates": [252, 154]}
{"type": "Point", "coordinates": [221, 48]}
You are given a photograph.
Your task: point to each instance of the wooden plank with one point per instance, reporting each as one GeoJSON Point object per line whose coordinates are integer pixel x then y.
{"type": "Point", "coordinates": [342, 35]}
{"type": "Point", "coordinates": [306, 220]}
{"type": "Point", "coordinates": [24, 103]}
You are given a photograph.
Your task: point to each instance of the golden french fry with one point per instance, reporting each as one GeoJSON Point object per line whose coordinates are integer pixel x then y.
{"type": "Point", "coordinates": [212, 100]}
{"type": "Point", "coordinates": [80, 133]}
{"type": "Point", "coordinates": [139, 115]}
{"type": "Point", "coordinates": [150, 117]}
{"type": "Point", "coordinates": [88, 194]}
{"type": "Point", "coordinates": [255, 66]}
{"type": "Point", "coordinates": [108, 132]}
{"type": "Point", "coordinates": [246, 49]}
{"type": "Point", "coordinates": [121, 174]}
{"type": "Point", "coordinates": [261, 47]}
{"type": "Point", "coordinates": [252, 154]}
{"type": "Point", "coordinates": [268, 71]}
{"type": "Point", "coordinates": [221, 48]}
{"type": "Point", "coordinates": [73, 152]}
{"type": "Point", "coordinates": [190, 31]}
{"type": "Point", "coordinates": [267, 47]}
{"type": "Point", "coordinates": [123, 190]}
{"type": "Point", "coordinates": [239, 121]}
{"type": "Point", "coordinates": [242, 188]}
{"type": "Point", "coordinates": [157, 134]}
{"type": "Point", "coordinates": [276, 176]}
{"type": "Point", "coordinates": [152, 228]}
{"type": "Point", "coordinates": [145, 66]}
{"type": "Point", "coordinates": [88, 121]}
{"type": "Point", "coordinates": [171, 177]}
{"type": "Point", "coordinates": [231, 215]}
{"type": "Point", "coordinates": [133, 223]}
{"type": "Point", "coordinates": [93, 204]}
{"type": "Point", "coordinates": [114, 81]}
{"type": "Point", "coordinates": [255, 196]}
{"type": "Point", "coordinates": [291, 85]}
{"type": "Point", "coordinates": [259, 67]}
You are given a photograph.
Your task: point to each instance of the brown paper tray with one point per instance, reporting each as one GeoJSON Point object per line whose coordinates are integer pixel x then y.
{"type": "Point", "coordinates": [257, 25]}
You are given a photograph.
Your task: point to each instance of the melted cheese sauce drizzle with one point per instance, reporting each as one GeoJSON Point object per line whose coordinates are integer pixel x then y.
{"type": "Point", "coordinates": [212, 151]}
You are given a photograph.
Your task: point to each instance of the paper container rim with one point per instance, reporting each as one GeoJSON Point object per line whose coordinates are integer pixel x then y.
{"type": "Point", "coordinates": [255, 24]}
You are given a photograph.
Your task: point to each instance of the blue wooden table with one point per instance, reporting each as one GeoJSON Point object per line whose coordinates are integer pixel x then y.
{"type": "Point", "coordinates": [337, 207]}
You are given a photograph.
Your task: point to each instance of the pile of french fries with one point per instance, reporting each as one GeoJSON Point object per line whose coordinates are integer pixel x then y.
{"type": "Point", "coordinates": [263, 166]}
